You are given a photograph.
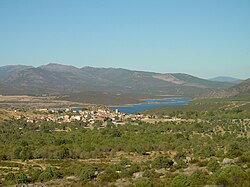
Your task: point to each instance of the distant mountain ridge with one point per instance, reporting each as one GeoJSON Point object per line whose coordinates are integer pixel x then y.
{"type": "Point", "coordinates": [226, 79]}
{"type": "Point", "coordinates": [11, 69]}
{"type": "Point", "coordinates": [237, 91]}
{"type": "Point", "coordinates": [58, 79]}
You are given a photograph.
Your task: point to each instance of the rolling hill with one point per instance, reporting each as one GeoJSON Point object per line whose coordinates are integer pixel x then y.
{"type": "Point", "coordinates": [11, 69]}
{"type": "Point", "coordinates": [239, 91]}
{"type": "Point", "coordinates": [226, 79]}
{"type": "Point", "coordinates": [57, 79]}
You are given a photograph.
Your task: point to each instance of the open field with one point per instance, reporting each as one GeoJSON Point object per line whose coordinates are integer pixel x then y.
{"type": "Point", "coordinates": [34, 102]}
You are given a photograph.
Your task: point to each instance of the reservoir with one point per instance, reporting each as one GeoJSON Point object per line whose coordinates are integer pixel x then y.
{"type": "Point", "coordinates": [151, 103]}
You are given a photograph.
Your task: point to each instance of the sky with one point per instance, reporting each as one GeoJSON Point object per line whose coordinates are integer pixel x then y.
{"type": "Point", "coordinates": [205, 38]}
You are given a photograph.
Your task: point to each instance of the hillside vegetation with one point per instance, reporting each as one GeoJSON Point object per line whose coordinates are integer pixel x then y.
{"type": "Point", "coordinates": [57, 79]}
{"type": "Point", "coordinates": [227, 108]}
{"type": "Point", "coordinates": [213, 149]}
{"type": "Point", "coordinates": [238, 92]}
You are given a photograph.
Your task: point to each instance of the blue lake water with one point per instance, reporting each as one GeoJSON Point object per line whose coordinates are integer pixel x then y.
{"type": "Point", "coordinates": [151, 103]}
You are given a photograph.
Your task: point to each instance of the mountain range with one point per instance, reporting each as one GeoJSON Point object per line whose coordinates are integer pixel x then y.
{"type": "Point", "coordinates": [226, 79]}
{"type": "Point", "coordinates": [241, 90]}
{"type": "Point", "coordinates": [58, 79]}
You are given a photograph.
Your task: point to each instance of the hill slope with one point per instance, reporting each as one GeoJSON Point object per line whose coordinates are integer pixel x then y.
{"type": "Point", "coordinates": [11, 69]}
{"type": "Point", "coordinates": [241, 90]}
{"type": "Point", "coordinates": [226, 79]}
{"type": "Point", "coordinates": [62, 79]}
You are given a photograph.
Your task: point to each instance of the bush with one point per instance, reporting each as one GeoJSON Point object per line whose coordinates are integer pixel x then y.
{"type": "Point", "coordinates": [21, 178]}
{"type": "Point", "coordinates": [110, 175]}
{"type": "Point", "coordinates": [234, 150]}
{"type": "Point", "coordinates": [125, 161]}
{"type": "Point", "coordinates": [144, 182]}
{"type": "Point", "coordinates": [162, 162]}
{"type": "Point", "coordinates": [213, 165]}
{"type": "Point", "coordinates": [34, 174]}
{"type": "Point", "coordinates": [45, 176]}
{"type": "Point", "coordinates": [128, 172]}
{"type": "Point", "coordinates": [88, 173]}
{"type": "Point", "coordinates": [198, 178]}
{"type": "Point", "coordinates": [180, 181]}
{"type": "Point", "coordinates": [232, 176]}
{"type": "Point", "coordinates": [245, 158]}
{"type": "Point", "coordinates": [9, 177]}
{"type": "Point", "coordinates": [48, 174]}
{"type": "Point", "coordinates": [181, 164]}
{"type": "Point", "coordinates": [147, 173]}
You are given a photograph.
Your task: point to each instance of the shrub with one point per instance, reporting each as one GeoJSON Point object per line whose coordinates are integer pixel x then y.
{"type": "Point", "coordinates": [88, 173]}
{"type": "Point", "coordinates": [162, 162]}
{"type": "Point", "coordinates": [147, 173]}
{"type": "Point", "coordinates": [213, 165]}
{"type": "Point", "coordinates": [234, 150]}
{"type": "Point", "coordinates": [143, 182]}
{"type": "Point", "coordinates": [232, 176]}
{"type": "Point", "coordinates": [245, 158]}
{"type": "Point", "coordinates": [125, 161]}
{"type": "Point", "coordinates": [48, 174]}
{"type": "Point", "coordinates": [21, 178]}
{"type": "Point", "coordinates": [110, 175]}
{"type": "Point", "coordinates": [45, 176]}
{"type": "Point", "coordinates": [180, 181]}
{"type": "Point", "coordinates": [10, 177]}
{"type": "Point", "coordinates": [34, 174]}
{"type": "Point", "coordinates": [198, 178]}
{"type": "Point", "coordinates": [128, 172]}
{"type": "Point", "coordinates": [181, 164]}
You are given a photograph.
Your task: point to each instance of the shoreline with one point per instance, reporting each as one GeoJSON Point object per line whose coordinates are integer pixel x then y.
{"type": "Point", "coordinates": [153, 101]}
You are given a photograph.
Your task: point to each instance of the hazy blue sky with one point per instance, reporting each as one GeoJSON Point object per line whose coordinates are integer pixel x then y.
{"type": "Point", "coordinates": [205, 38]}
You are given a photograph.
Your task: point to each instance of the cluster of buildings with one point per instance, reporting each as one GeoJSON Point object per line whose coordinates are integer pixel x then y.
{"type": "Point", "coordinates": [86, 116]}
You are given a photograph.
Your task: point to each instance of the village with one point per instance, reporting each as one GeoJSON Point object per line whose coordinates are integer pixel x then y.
{"type": "Point", "coordinates": [87, 116]}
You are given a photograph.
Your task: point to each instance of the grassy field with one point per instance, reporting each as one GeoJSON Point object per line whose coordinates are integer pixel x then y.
{"type": "Point", "coordinates": [28, 102]}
